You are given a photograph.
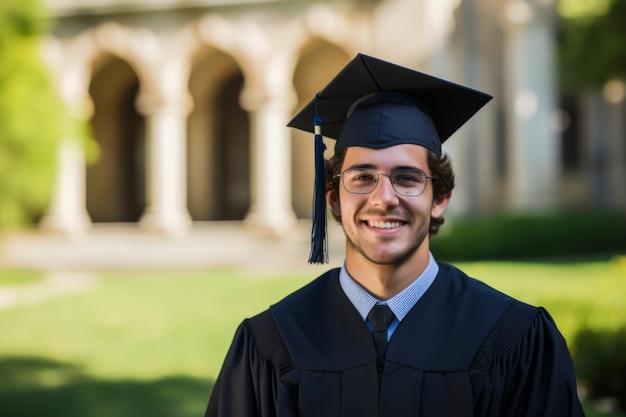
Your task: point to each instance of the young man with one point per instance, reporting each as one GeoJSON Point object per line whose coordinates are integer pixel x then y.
{"type": "Point", "coordinates": [392, 333]}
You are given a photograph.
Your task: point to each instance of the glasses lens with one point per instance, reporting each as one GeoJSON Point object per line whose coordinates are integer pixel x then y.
{"type": "Point", "coordinates": [360, 181]}
{"type": "Point", "coordinates": [409, 182]}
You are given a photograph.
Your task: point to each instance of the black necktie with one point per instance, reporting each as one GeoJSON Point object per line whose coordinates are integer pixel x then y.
{"type": "Point", "coordinates": [380, 316]}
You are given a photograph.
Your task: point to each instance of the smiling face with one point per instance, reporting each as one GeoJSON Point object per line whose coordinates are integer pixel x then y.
{"type": "Point", "coordinates": [382, 227]}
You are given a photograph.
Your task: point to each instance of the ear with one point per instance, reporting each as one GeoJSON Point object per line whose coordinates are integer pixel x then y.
{"type": "Point", "coordinates": [332, 197]}
{"type": "Point", "coordinates": [439, 205]}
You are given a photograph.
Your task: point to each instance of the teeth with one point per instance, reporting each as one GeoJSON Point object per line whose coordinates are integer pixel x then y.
{"type": "Point", "coordinates": [383, 225]}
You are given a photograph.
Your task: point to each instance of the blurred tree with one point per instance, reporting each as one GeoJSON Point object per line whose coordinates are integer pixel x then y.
{"type": "Point", "coordinates": [572, 9]}
{"type": "Point", "coordinates": [32, 117]}
{"type": "Point", "coordinates": [593, 50]}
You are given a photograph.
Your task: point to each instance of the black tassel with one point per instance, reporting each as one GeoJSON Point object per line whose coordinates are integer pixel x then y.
{"type": "Point", "coordinates": [319, 247]}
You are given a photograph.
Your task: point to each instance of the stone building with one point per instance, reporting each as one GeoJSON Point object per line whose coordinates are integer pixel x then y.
{"type": "Point", "coordinates": [188, 101]}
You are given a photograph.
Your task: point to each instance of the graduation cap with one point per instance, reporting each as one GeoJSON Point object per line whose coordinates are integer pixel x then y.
{"type": "Point", "coordinates": [376, 104]}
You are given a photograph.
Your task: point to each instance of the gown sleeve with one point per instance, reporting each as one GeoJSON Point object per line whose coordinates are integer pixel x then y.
{"type": "Point", "coordinates": [528, 368]}
{"type": "Point", "coordinates": [247, 385]}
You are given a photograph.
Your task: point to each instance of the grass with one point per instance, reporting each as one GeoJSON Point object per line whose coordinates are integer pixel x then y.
{"type": "Point", "coordinates": [142, 325]}
{"type": "Point", "coordinates": [147, 343]}
{"type": "Point", "coordinates": [14, 278]}
{"type": "Point", "coordinates": [151, 343]}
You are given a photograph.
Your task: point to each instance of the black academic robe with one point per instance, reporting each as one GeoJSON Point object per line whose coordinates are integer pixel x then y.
{"type": "Point", "coordinates": [464, 349]}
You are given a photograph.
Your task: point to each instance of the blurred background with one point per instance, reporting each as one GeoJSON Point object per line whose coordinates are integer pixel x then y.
{"type": "Point", "coordinates": [145, 140]}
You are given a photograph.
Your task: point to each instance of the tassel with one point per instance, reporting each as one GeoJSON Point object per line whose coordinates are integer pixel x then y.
{"type": "Point", "coordinates": [319, 248]}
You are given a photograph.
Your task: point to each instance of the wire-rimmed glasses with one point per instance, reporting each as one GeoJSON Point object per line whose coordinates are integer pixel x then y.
{"type": "Point", "coordinates": [406, 182]}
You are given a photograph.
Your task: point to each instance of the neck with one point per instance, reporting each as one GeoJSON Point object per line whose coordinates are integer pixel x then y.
{"type": "Point", "coordinates": [384, 281]}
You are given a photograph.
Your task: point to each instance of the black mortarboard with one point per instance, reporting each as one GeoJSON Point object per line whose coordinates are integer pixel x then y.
{"type": "Point", "coordinates": [375, 104]}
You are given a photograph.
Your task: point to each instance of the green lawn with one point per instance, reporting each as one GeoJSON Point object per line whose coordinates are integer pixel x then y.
{"type": "Point", "coordinates": [151, 343]}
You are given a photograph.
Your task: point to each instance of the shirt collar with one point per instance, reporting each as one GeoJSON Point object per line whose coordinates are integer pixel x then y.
{"type": "Point", "coordinates": [400, 303]}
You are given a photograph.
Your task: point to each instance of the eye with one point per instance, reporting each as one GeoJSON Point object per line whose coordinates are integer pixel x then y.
{"type": "Point", "coordinates": [363, 177]}
{"type": "Point", "coordinates": [410, 178]}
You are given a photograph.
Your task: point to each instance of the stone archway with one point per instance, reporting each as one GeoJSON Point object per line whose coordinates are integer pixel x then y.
{"type": "Point", "coordinates": [218, 142]}
{"type": "Point", "coordinates": [116, 181]}
{"type": "Point", "coordinates": [231, 156]}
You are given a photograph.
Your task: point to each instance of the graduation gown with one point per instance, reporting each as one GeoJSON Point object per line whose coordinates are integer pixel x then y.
{"type": "Point", "coordinates": [463, 350]}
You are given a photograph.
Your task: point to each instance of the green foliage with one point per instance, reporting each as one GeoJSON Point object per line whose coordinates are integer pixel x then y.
{"type": "Point", "coordinates": [576, 9]}
{"type": "Point", "coordinates": [21, 18]}
{"type": "Point", "coordinates": [600, 361]}
{"type": "Point", "coordinates": [593, 50]}
{"type": "Point", "coordinates": [31, 115]}
{"type": "Point", "coordinates": [510, 236]}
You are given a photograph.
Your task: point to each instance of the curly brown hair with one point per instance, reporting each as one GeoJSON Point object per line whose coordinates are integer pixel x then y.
{"type": "Point", "coordinates": [441, 168]}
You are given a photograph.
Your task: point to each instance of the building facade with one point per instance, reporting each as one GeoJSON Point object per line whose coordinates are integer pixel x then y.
{"type": "Point", "coordinates": [188, 102]}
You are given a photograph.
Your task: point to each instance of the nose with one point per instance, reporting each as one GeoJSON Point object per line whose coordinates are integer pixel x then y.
{"type": "Point", "coordinates": [384, 194]}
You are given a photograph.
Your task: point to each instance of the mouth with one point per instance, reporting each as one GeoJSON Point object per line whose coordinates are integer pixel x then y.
{"type": "Point", "coordinates": [384, 224]}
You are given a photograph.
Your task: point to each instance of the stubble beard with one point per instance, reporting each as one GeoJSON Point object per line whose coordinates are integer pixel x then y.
{"type": "Point", "coordinates": [398, 258]}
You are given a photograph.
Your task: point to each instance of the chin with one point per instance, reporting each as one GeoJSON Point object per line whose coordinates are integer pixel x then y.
{"type": "Point", "coordinates": [392, 258]}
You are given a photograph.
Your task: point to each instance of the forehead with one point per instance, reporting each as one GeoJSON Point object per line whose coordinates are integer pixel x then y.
{"type": "Point", "coordinates": [405, 155]}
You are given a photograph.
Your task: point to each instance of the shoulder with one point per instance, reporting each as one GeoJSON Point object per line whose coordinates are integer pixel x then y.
{"type": "Point", "coordinates": [516, 318]}
{"type": "Point", "coordinates": [508, 333]}
{"type": "Point", "coordinates": [262, 337]}
{"type": "Point", "coordinates": [524, 365]}
{"type": "Point", "coordinates": [517, 329]}
{"type": "Point", "coordinates": [523, 334]}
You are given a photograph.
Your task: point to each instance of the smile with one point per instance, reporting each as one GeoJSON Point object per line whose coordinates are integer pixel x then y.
{"type": "Point", "coordinates": [383, 225]}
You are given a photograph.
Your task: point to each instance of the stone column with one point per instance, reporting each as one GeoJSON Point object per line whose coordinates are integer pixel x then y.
{"type": "Point", "coordinates": [68, 213]}
{"type": "Point", "coordinates": [166, 127]}
{"type": "Point", "coordinates": [614, 94]}
{"type": "Point", "coordinates": [469, 58]}
{"type": "Point", "coordinates": [603, 131]}
{"type": "Point", "coordinates": [457, 147]}
{"type": "Point", "coordinates": [271, 210]}
{"type": "Point", "coordinates": [532, 147]}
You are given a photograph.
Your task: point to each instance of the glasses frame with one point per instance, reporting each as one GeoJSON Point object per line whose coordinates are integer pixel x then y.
{"type": "Point", "coordinates": [393, 184]}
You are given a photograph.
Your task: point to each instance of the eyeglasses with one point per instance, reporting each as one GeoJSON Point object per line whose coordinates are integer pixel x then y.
{"type": "Point", "coordinates": [406, 182]}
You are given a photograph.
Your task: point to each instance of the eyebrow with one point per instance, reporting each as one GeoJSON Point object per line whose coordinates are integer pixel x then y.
{"type": "Point", "coordinates": [397, 168]}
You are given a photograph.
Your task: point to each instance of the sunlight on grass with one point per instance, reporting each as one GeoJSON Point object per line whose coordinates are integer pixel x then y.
{"type": "Point", "coordinates": [143, 325]}
{"type": "Point", "coordinates": [10, 278]}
